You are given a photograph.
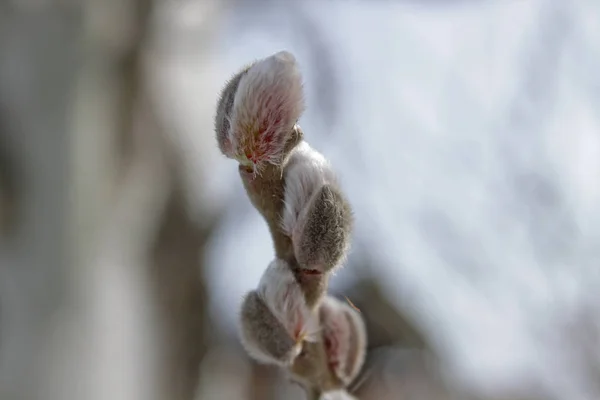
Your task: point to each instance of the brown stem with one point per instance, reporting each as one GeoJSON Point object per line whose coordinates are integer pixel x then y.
{"type": "Point", "coordinates": [266, 193]}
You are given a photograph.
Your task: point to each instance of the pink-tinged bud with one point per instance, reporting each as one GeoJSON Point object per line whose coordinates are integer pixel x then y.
{"type": "Point", "coordinates": [265, 102]}
{"type": "Point", "coordinates": [264, 338]}
{"type": "Point", "coordinates": [274, 319]}
{"type": "Point", "coordinates": [283, 295]}
{"type": "Point", "coordinates": [345, 338]}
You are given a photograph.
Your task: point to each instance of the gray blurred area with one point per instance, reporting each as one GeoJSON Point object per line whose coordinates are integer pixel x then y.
{"type": "Point", "coordinates": [465, 132]}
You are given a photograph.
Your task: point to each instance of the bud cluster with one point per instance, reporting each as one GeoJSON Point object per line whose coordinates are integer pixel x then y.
{"type": "Point", "coordinates": [289, 320]}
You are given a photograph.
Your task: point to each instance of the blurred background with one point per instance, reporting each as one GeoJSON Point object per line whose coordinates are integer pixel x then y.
{"type": "Point", "coordinates": [466, 134]}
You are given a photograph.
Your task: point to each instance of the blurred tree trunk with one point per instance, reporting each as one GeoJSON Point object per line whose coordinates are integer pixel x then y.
{"type": "Point", "coordinates": [179, 286]}
{"type": "Point", "coordinates": [103, 254]}
{"type": "Point", "coordinates": [37, 60]}
{"type": "Point", "coordinates": [173, 251]}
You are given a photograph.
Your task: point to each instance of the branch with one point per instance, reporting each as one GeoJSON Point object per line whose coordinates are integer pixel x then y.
{"type": "Point", "coordinates": [289, 320]}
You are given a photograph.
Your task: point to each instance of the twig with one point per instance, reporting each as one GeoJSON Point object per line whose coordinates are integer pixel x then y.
{"type": "Point", "coordinates": [289, 320]}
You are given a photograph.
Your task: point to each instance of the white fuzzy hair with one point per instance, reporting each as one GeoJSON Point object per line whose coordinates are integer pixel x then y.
{"type": "Point", "coordinates": [283, 296]}
{"type": "Point", "coordinates": [339, 323]}
{"type": "Point", "coordinates": [306, 172]}
{"type": "Point", "coordinates": [360, 339]}
{"type": "Point", "coordinates": [267, 104]}
{"type": "Point", "coordinates": [255, 351]}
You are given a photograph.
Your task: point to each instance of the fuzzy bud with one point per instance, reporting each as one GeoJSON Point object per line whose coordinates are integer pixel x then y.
{"type": "Point", "coordinates": [258, 109]}
{"type": "Point", "coordinates": [345, 338]}
{"type": "Point", "coordinates": [275, 320]}
{"type": "Point", "coordinates": [264, 338]}
{"type": "Point", "coordinates": [317, 216]}
{"type": "Point", "coordinates": [284, 297]}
